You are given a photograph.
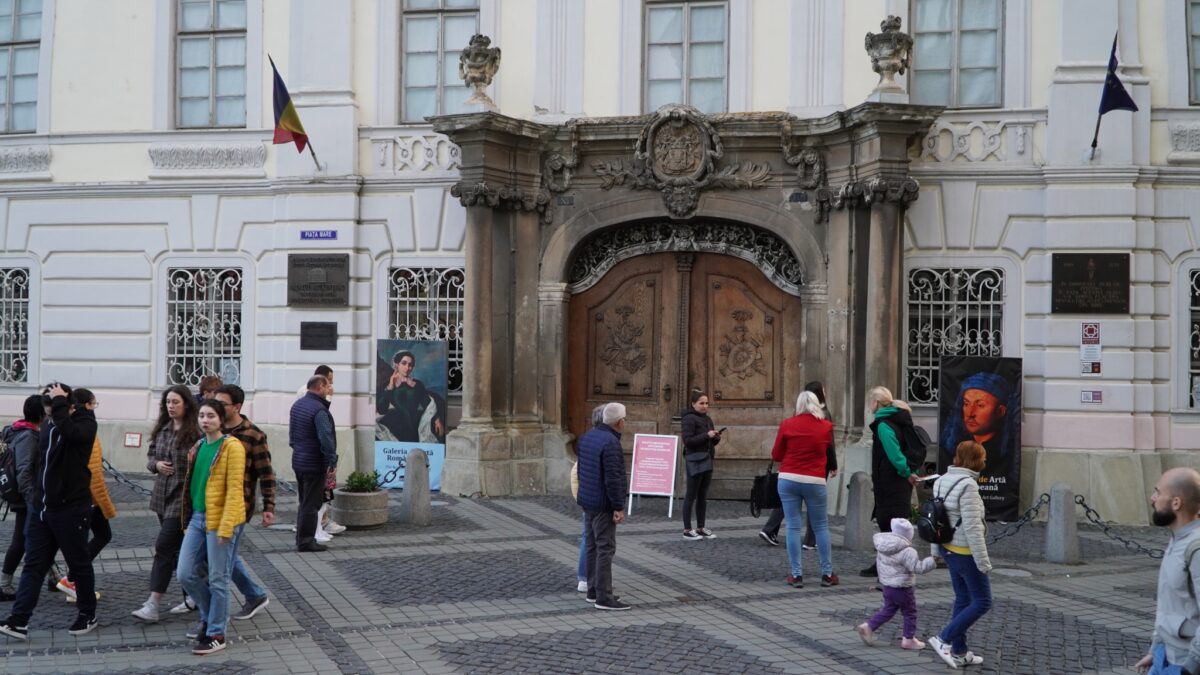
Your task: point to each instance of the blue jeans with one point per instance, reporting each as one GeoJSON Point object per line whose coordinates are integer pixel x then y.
{"type": "Point", "coordinates": [581, 572]}
{"type": "Point", "coordinates": [813, 497]}
{"type": "Point", "coordinates": [1161, 666]}
{"type": "Point", "coordinates": [972, 599]}
{"type": "Point", "coordinates": [212, 597]}
{"type": "Point", "coordinates": [241, 579]}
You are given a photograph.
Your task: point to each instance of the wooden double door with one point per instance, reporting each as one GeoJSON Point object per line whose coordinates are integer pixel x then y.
{"type": "Point", "coordinates": [657, 326]}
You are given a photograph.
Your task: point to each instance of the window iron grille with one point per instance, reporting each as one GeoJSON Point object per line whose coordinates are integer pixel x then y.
{"type": "Point", "coordinates": [14, 325]}
{"type": "Point", "coordinates": [426, 303]}
{"type": "Point", "coordinates": [204, 324]}
{"type": "Point", "coordinates": [1194, 340]}
{"type": "Point", "coordinates": [951, 311]}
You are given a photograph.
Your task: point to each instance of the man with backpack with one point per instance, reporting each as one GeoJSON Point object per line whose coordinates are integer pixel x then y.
{"type": "Point", "coordinates": [1174, 648]}
{"type": "Point", "coordinates": [20, 441]}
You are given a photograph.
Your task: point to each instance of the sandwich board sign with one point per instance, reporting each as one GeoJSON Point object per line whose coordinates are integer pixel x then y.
{"type": "Point", "coordinates": [653, 468]}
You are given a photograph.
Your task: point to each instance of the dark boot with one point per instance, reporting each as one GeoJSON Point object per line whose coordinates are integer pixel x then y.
{"type": "Point", "coordinates": [871, 571]}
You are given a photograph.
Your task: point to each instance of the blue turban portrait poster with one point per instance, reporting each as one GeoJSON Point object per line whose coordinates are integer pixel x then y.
{"type": "Point", "coordinates": [979, 399]}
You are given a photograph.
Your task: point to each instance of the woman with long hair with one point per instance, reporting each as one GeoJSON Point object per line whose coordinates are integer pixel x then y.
{"type": "Point", "coordinates": [802, 448]}
{"type": "Point", "coordinates": [174, 433]}
{"type": "Point", "coordinates": [966, 555]}
{"type": "Point", "coordinates": [891, 478]}
{"type": "Point", "coordinates": [700, 439]}
{"type": "Point", "coordinates": [214, 508]}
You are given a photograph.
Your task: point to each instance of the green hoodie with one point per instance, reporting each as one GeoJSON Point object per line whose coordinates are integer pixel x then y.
{"type": "Point", "coordinates": [891, 444]}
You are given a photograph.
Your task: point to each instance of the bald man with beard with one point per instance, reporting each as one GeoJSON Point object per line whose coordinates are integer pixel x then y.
{"type": "Point", "coordinates": [1175, 647]}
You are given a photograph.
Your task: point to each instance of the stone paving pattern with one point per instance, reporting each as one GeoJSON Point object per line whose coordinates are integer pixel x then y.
{"type": "Point", "coordinates": [490, 588]}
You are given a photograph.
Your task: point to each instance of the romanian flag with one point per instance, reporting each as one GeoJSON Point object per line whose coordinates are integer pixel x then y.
{"type": "Point", "coordinates": [287, 123]}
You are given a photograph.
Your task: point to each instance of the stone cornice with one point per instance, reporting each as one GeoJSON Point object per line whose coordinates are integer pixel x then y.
{"type": "Point", "coordinates": [208, 160]}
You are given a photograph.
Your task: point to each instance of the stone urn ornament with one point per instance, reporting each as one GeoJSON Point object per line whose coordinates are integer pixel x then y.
{"type": "Point", "coordinates": [477, 65]}
{"type": "Point", "coordinates": [891, 52]}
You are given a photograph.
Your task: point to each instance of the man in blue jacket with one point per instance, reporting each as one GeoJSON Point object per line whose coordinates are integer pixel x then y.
{"type": "Point", "coordinates": [314, 453]}
{"type": "Point", "coordinates": [602, 496]}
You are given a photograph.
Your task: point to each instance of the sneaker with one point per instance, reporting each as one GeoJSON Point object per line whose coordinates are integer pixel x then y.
{"type": "Point", "coordinates": [829, 580]}
{"type": "Point", "coordinates": [334, 528]}
{"type": "Point", "coordinates": [84, 623]}
{"type": "Point", "coordinates": [867, 635]}
{"type": "Point", "coordinates": [313, 548]}
{"type": "Point", "coordinates": [795, 582]}
{"type": "Point", "coordinates": [209, 645]}
{"type": "Point", "coordinates": [71, 598]}
{"type": "Point", "coordinates": [913, 644]}
{"type": "Point", "coordinates": [808, 547]}
{"type": "Point", "coordinates": [147, 612]}
{"type": "Point", "coordinates": [592, 598]}
{"type": "Point", "coordinates": [581, 586]}
{"type": "Point", "coordinates": [968, 659]}
{"type": "Point", "coordinates": [769, 538]}
{"type": "Point", "coordinates": [707, 534]}
{"type": "Point", "coordinates": [612, 604]}
{"type": "Point", "coordinates": [871, 571]}
{"type": "Point", "coordinates": [7, 593]}
{"type": "Point", "coordinates": [197, 630]}
{"type": "Point", "coordinates": [943, 651]}
{"type": "Point", "coordinates": [67, 587]}
{"type": "Point", "coordinates": [252, 607]}
{"type": "Point", "coordinates": [323, 537]}
{"type": "Point", "coordinates": [11, 629]}
{"type": "Point", "coordinates": [692, 535]}
{"type": "Point", "coordinates": [188, 605]}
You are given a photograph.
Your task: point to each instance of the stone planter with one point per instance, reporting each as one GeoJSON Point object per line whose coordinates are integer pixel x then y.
{"type": "Point", "coordinates": [360, 510]}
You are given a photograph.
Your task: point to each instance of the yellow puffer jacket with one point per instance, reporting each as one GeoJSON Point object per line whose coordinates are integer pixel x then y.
{"type": "Point", "coordinates": [224, 502]}
{"type": "Point", "coordinates": [99, 489]}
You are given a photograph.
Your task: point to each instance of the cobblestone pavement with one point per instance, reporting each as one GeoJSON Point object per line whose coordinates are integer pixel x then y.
{"type": "Point", "coordinates": [490, 588]}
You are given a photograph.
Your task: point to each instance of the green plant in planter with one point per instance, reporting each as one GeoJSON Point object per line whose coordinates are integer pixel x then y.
{"type": "Point", "coordinates": [362, 482]}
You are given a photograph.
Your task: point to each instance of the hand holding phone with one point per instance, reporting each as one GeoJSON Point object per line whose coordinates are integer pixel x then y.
{"type": "Point", "coordinates": [722, 430]}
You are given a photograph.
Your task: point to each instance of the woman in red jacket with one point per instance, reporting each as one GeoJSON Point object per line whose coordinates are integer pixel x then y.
{"type": "Point", "coordinates": [801, 448]}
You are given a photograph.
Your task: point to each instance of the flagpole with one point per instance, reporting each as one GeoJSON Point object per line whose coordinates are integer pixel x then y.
{"type": "Point", "coordinates": [1095, 136]}
{"type": "Point", "coordinates": [314, 154]}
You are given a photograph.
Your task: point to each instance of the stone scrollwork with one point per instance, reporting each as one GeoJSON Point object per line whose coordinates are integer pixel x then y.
{"type": "Point", "coordinates": [510, 198]}
{"type": "Point", "coordinates": [809, 163]}
{"type": "Point", "coordinates": [421, 152]}
{"type": "Point", "coordinates": [604, 249]}
{"type": "Point", "coordinates": [1185, 143]}
{"type": "Point", "coordinates": [25, 159]}
{"type": "Point", "coordinates": [217, 157]}
{"type": "Point", "coordinates": [676, 155]}
{"type": "Point", "coordinates": [560, 165]}
{"type": "Point", "coordinates": [978, 141]}
{"type": "Point", "coordinates": [895, 190]}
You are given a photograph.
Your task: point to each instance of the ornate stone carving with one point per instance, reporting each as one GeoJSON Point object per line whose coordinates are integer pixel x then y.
{"type": "Point", "coordinates": [903, 191]}
{"type": "Point", "coordinates": [559, 166]}
{"type": "Point", "coordinates": [623, 349]}
{"type": "Point", "coordinates": [511, 198]}
{"type": "Point", "coordinates": [608, 247]}
{"type": "Point", "coordinates": [477, 65]}
{"type": "Point", "coordinates": [951, 140]}
{"type": "Point", "coordinates": [676, 154]}
{"type": "Point", "coordinates": [25, 159]}
{"type": "Point", "coordinates": [1185, 143]}
{"type": "Point", "coordinates": [741, 351]}
{"type": "Point", "coordinates": [890, 51]}
{"type": "Point", "coordinates": [419, 153]}
{"type": "Point", "coordinates": [214, 157]}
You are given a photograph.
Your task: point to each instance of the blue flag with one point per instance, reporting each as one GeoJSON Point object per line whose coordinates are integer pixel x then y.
{"type": "Point", "coordinates": [1115, 97]}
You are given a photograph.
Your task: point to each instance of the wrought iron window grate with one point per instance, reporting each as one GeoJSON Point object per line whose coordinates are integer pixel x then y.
{"type": "Point", "coordinates": [204, 324]}
{"type": "Point", "coordinates": [1194, 340]}
{"type": "Point", "coordinates": [14, 325]}
{"type": "Point", "coordinates": [951, 311]}
{"type": "Point", "coordinates": [426, 303]}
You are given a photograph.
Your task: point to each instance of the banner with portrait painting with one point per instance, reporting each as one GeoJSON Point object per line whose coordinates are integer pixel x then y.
{"type": "Point", "coordinates": [979, 399]}
{"type": "Point", "coordinates": [410, 406]}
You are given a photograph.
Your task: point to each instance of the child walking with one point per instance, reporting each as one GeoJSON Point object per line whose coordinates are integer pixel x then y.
{"type": "Point", "coordinates": [899, 566]}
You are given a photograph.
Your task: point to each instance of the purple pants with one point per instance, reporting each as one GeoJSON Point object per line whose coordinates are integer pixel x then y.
{"type": "Point", "coordinates": [902, 599]}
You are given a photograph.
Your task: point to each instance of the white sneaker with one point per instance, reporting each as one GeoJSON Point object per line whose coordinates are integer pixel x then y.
{"type": "Point", "coordinates": [184, 607]}
{"type": "Point", "coordinates": [323, 537]}
{"type": "Point", "coordinates": [943, 651]}
{"type": "Point", "coordinates": [334, 528]}
{"type": "Point", "coordinates": [968, 659]}
{"type": "Point", "coordinates": [147, 612]}
{"type": "Point", "coordinates": [581, 586]}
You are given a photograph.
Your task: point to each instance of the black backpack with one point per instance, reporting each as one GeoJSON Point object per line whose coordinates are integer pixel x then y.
{"type": "Point", "coordinates": [914, 442]}
{"type": "Point", "coordinates": [10, 490]}
{"type": "Point", "coordinates": [933, 523]}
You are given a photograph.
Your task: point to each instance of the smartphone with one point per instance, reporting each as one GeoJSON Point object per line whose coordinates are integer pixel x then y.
{"type": "Point", "coordinates": [722, 430]}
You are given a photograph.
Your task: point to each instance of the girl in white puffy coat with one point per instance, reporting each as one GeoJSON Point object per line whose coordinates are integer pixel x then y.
{"type": "Point", "coordinates": [899, 564]}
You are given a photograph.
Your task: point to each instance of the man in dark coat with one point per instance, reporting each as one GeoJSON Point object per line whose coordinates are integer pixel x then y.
{"type": "Point", "coordinates": [602, 495]}
{"type": "Point", "coordinates": [314, 454]}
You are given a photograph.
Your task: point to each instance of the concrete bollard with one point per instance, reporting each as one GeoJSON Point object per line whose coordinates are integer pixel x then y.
{"type": "Point", "coordinates": [1062, 537]}
{"type": "Point", "coordinates": [415, 505]}
{"type": "Point", "coordinates": [859, 528]}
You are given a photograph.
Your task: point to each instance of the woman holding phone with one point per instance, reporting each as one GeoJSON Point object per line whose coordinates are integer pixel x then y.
{"type": "Point", "coordinates": [700, 440]}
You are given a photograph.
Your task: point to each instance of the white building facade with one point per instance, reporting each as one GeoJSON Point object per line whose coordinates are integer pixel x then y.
{"type": "Point", "coordinates": [147, 219]}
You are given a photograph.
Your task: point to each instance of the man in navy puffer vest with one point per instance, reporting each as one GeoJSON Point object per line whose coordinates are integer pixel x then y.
{"type": "Point", "coordinates": [602, 496]}
{"type": "Point", "coordinates": [314, 453]}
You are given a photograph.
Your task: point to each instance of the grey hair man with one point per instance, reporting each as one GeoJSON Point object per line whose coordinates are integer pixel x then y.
{"type": "Point", "coordinates": [1174, 503]}
{"type": "Point", "coordinates": [602, 495]}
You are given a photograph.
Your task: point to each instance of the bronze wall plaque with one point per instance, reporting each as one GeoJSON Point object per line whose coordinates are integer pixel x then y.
{"type": "Point", "coordinates": [318, 336]}
{"type": "Point", "coordinates": [1089, 283]}
{"type": "Point", "coordinates": [318, 280]}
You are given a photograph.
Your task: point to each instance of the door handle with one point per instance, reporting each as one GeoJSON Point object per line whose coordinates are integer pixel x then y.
{"type": "Point", "coordinates": [667, 393]}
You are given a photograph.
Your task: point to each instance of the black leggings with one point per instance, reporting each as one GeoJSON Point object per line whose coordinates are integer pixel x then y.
{"type": "Point", "coordinates": [16, 547]}
{"type": "Point", "coordinates": [697, 493]}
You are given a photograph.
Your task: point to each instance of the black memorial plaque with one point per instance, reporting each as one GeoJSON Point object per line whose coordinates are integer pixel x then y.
{"type": "Point", "coordinates": [318, 336]}
{"type": "Point", "coordinates": [1089, 283]}
{"type": "Point", "coordinates": [318, 280]}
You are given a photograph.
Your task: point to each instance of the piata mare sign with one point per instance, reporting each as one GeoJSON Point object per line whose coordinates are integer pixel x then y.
{"type": "Point", "coordinates": [979, 399]}
{"type": "Point", "coordinates": [653, 470]}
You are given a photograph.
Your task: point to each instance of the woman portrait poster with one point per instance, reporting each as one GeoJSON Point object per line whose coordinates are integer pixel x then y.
{"type": "Point", "coordinates": [980, 400]}
{"type": "Point", "coordinates": [410, 391]}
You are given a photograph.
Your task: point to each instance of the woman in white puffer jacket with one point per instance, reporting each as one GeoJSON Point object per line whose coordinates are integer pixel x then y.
{"type": "Point", "coordinates": [966, 555]}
